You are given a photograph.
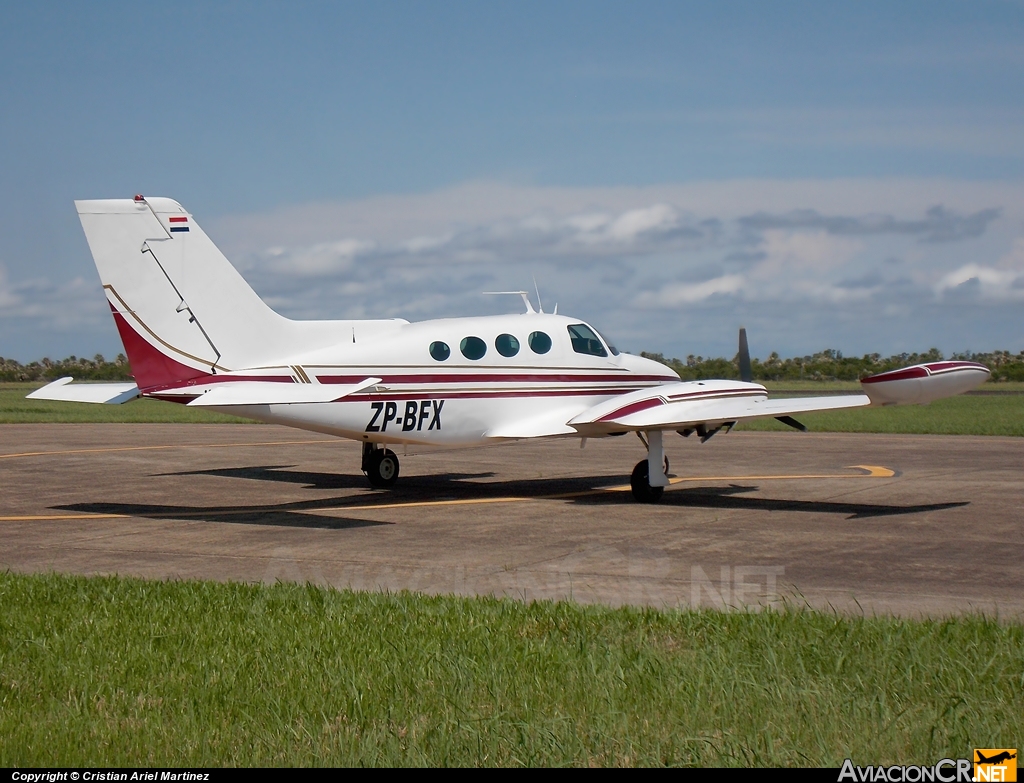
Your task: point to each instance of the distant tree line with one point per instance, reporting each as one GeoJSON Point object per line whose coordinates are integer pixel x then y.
{"type": "Point", "coordinates": [831, 365]}
{"type": "Point", "coordinates": [828, 365]}
{"type": "Point", "coordinates": [95, 369]}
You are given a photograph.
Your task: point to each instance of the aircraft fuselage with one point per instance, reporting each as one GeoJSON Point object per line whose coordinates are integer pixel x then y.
{"type": "Point", "coordinates": [433, 393]}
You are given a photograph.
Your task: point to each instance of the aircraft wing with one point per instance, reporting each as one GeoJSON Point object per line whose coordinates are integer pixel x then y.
{"type": "Point", "coordinates": [704, 406]}
{"type": "Point", "coordinates": [270, 393]}
{"type": "Point", "coordinates": [64, 390]}
{"type": "Point", "coordinates": [689, 406]}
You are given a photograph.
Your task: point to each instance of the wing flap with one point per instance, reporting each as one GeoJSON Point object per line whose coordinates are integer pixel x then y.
{"type": "Point", "coordinates": [270, 393]}
{"type": "Point", "coordinates": [63, 390]}
{"type": "Point", "coordinates": [546, 426]}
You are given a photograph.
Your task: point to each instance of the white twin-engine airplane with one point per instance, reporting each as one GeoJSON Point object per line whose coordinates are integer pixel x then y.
{"type": "Point", "coordinates": [196, 333]}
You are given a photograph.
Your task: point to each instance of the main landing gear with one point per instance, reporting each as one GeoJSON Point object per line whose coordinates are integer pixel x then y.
{"type": "Point", "coordinates": [380, 465]}
{"type": "Point", "coordinates": [650, 476]}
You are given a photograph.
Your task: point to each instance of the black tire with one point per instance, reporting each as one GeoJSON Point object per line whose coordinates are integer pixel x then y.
{"type": "Point", "coordinates": [640, 483]}
{"type": "Point", "coordinates": [382, 468]}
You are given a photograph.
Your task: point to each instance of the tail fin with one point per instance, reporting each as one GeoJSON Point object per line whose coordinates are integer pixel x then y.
{"type": "Point", "coordinates": [181, 309]}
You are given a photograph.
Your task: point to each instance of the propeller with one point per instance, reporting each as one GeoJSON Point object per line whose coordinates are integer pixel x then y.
{"type": "Point", "coordinates": [747, 376]}
{"type": "Point", "coordinates": [746, 372]}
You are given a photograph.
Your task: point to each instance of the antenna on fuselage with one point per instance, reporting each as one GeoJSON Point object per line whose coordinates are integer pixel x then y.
{"type": "Point", "coordinates": [540, 305]}
{"type": "Point", "coordinates": [524, 294]}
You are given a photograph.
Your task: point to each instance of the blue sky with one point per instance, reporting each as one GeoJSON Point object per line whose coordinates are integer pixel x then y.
{"type": "Point", "coordinates": [830, 175]}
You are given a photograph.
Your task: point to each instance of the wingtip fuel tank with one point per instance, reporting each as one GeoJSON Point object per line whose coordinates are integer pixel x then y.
{"type": "Point", "coordinates": [924, 383]}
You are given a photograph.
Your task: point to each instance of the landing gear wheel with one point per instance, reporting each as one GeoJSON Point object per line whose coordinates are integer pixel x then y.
{"type": "Point", "coordinates": [640, 483]}
{"type": "Point", "coordinates": [381, 468]}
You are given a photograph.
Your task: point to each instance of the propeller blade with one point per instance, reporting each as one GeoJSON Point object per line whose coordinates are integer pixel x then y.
{"type": "Point", "coordinates": [789, 420]}
{"type": "Point", "coordinates": [746, 373]}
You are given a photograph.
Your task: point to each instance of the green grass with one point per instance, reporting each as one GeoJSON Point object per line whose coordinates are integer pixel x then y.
{"type": "Point", "coordinates": [965, 415]}
{"type": "Point", "coordinates": [124, 672]}
{"type": "Point", "coordinates": [15, 409]}
{"type": "Point", "coordinates": [824, 387]}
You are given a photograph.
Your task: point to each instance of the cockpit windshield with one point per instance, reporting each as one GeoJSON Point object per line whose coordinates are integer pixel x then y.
{"type": "Point", "coordinates": [585, 341]}
{"type": "Point", "coordinates": [612, 348]}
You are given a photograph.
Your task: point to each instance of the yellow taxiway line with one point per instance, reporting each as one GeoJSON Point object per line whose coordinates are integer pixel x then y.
{"type": "Point", "coordinates": [870, 471]}
{"type": "Point", "coordinates": [170, 446]}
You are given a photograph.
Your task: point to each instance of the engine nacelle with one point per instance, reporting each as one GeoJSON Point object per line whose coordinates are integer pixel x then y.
{"type": "Point", "coordinates": [923, 383]}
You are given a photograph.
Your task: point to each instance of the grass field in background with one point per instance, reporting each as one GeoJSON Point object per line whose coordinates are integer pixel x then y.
{"type": "Point", "coordinates": [964, 415]}
{"type": "Point", "coordinates": [989, 414]}
{"type": "Point", "coordinates": [124, 672]}
{"type": "Point", "coordinates": [15, 409]}
{"type": "Point", "coordinates": [826, 387]}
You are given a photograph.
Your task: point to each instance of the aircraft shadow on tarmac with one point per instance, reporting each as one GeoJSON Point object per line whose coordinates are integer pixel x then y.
{"type": "Point", "coordinates": [455, 486]}
{"type": "Point", "coordinates": [276, 515]}
{"type": "Point", "coordinates": [726, 498]}
{"type": "Point", "coordinates": [310, 479]}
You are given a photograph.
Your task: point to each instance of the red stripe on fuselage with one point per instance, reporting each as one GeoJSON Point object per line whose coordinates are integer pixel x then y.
{"type": "Point", "coordinates": [481, 395]}
{"type": "Point", "coordinates": [208, 379]}
{"type": "Point", "coordinates": [432, 395]}
{"type": "Point", "coordinates": [157, 373]}
{"type": "Point", "coordinates": [481, 377]}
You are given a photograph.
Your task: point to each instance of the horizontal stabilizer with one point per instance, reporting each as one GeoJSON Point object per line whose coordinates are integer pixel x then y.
{"type": "Point", "coordinates": [270, 393]}
{"type": "Point", "coordinates": [63, 390]}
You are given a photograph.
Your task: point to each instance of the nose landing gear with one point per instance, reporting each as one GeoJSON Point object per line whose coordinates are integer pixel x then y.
{"type": "Point", "coordinates": [650, 476]}
{"type": "Point", "coordinates": [380, 466]}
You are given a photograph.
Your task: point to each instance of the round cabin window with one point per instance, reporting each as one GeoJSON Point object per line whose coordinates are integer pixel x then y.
{"type": "Point", "coordinates": [440, 351]}
{"type": "Point", "coordinates": [506, 345]}
{"type": "Point", "coordinates": [539, 342]}
{"type": "Point", "coordinates": [473, 348]}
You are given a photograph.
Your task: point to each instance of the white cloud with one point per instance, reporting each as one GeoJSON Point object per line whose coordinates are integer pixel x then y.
{"type": "Point", "coordinates": [678, 294]}
{"type": "Point", "coordinates": [995, 284]}
{"type": "Point", "coordinates": [325, 258]}
{"type": "Point", "coordinates": [425, 244]}
{"type": "Point", "coordinates": [72, 305]}
{"type": "Point", "coordinates": [809, 264]}
{"type": "Point", "coordinates": [631, 224]}
{"type": "Point", "coordinates": [803, 253]}
{"type": "Point", "coordinates": [828, 254]}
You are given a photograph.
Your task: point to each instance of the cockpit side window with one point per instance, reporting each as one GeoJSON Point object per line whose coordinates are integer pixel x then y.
{"type": "Point", "coordinates": [585, 341]}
